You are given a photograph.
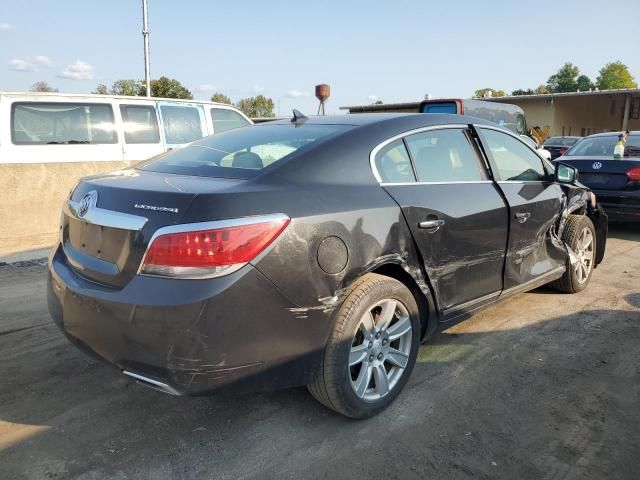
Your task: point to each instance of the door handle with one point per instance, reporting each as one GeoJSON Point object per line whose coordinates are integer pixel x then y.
{"type": "Point", "coordinates": [522, 217]}
{"type": "Point", "coordinates": [431, 225]}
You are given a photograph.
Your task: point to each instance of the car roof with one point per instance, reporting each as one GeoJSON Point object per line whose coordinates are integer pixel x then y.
{"type": "Point", "coordinates": [362, 119]}
{"type": "Point", "coordinates": [614, 134]}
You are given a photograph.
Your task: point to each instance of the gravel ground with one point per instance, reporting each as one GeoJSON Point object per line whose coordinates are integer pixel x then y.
{"type": "Point", "coordinates": [543, 385]}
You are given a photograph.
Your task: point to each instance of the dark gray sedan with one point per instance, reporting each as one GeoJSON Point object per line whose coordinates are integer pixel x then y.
{"type": "Point", "coordinates": [317, 251]}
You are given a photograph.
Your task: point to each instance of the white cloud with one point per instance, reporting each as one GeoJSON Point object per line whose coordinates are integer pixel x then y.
{"type": "Point", "coordinates": [205, 87]}
{"type": "Point", "coordinates": [44, 61]}
{"type": "Point", "coordinates": [258, 89]}
{"type": "Point", "coordinates": [373, 98]}
{"type": "Point", "coordinates": [78, 71]}
{"type": "Point", "coordinates": [5, 27]}
{"type": "Point", "coordinates": [296, 94]}
{"type": "Point", "coordinates": [22, 65]}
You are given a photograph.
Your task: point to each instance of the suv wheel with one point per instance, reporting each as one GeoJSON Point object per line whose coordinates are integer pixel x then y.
{"type": "Point", "coordinates": [372, 349]}
{"type": "Point", "coordinates": [580, 235]}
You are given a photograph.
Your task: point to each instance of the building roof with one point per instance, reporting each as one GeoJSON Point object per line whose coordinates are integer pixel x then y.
{"type": "Point", "coordinates": [414, 105]}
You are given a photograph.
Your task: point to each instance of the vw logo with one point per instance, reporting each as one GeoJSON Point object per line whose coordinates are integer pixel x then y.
{"type": "Point", "coordinates": [86, 203]}
{"type": "Point", "coordinates": [597, 165]}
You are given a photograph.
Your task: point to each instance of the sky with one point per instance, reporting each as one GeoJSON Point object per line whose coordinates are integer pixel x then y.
{"type": "Point", "coordinates": [392, 51]}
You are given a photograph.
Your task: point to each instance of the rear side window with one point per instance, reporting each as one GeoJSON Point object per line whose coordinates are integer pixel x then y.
{"type": "Point", "coordinates": [54, 123]}
{"type": "Point", "coordinates": [224, 119]}
{"type": "Point", "coordinates": [393, 164]}
{"type": "Point", "coordinates": [182, 124]}
{"type": "Point", "coordinates": [444, 156]}
{"type": "Point", "coordinates": [514, 160]}
{"type": "Point", "coordinates": [243, 152]}
{"type": "Point", "coordinates": [140, 124]}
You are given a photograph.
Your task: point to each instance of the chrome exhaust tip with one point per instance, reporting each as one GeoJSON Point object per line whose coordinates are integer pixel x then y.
{"type": "Point", "coordinates": [151, 383]}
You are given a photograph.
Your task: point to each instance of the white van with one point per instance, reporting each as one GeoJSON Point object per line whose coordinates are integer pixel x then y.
{"type": "Point", "coordinates": [54, 127]}
{"type": "Point", "coordinates": [50, 140]}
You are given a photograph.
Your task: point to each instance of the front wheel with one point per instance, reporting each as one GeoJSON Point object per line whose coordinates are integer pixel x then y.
{"type": "Point", "coordinates": [372, 349]}
{"type": "Point", "coordinates": [579, 233]}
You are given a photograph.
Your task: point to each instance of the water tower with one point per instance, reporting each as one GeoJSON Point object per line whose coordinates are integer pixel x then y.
{"type": "Point", "coordinates": [323, 92]}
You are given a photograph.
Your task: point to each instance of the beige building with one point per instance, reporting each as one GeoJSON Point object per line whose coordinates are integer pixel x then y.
{"type": "Point", "coordinates": [574, 113]}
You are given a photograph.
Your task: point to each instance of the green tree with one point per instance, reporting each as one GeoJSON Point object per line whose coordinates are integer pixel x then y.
{"type": "Point", "coordinates": [42, 87]}
{"type": "Point", "coordinates": [541, 90]}
{"type": "Point", "coordinates": [484, 92]}
{"type": "Point", "coordinates": [126, 87]}
{"type": "Point", "coordinates": [101, 89]}
{"type": "Point", "coordinates": [221, 98]}
{"type": "Point", "coordinates": [259, 106]}
{"type": "Point", "coordinates": [564, 80]}
{"type": "Point", "coordinates": [378, 102]}
{"type": "Point", "coordinates": [615, 75]}
{"type": "Point", "coordinates": [584, 83]}
{"type": "Point", "coordinates": [520, 91]}
{"type": "Point", "coordinates": [165, 87]}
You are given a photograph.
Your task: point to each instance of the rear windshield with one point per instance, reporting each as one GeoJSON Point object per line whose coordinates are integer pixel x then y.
{"type": "Point", "coordinates": [603, 146]}
{"type": "Point", "coordinates": [439, 107]}
{"type": "Point", "coordinates": [560, 141]}
{"type": "Point", "coordinates": [241, 153]}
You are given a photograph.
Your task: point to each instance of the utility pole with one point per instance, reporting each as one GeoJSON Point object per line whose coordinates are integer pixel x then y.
{"type": "Point", "coordinates": [145, 35]}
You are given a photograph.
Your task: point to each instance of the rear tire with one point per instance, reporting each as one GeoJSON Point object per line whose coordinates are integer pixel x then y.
{"type": "Point", "coordinates": [372, 348]}
{"type": "Point", "coordinates": [580, 234]}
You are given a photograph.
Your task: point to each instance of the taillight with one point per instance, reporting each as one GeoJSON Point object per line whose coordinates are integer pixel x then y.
{"type": "Point", "coordinates": [634, 174]}
{"type": "Point", "coordinates": [205, 250]}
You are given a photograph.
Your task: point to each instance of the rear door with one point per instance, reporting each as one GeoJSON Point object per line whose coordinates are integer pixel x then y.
{"type": "Point", "coordinates": [535, 203]}
{"type": "Point", "coordinates": [182, 123]}
{"type": "Point", "coordinates": [457, 217]}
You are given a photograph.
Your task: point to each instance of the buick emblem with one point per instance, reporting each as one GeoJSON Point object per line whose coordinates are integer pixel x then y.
{"type": "Point", "coordinates": [597, 165]}
{"type": "Point", "coordinates": [86, 203]}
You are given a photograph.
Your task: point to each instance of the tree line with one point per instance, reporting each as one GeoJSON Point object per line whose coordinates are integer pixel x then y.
{"type": "Point", "coordinates": [164, 87]}
{"type": "Point", "coordinates": [613, 75]}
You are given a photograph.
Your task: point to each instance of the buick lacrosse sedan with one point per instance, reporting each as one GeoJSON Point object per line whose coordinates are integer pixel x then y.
{"type": "Point", "coordinates": [317, 251]}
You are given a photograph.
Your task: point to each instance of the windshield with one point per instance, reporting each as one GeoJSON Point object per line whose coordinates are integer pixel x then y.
{"type": "Point", "coordinates": [561, 141]}
{"type": "Point", "coordinates": [603, 146]}
{"type": "Point", "coordinates": [240, 153]}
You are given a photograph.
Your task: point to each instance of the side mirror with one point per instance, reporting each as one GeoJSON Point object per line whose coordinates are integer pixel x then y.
{"type": "Point", "coordinates": [566, 173]}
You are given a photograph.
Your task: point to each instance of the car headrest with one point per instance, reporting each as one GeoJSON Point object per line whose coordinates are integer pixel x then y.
{"type": "Point", "coordinates": [247, 160]}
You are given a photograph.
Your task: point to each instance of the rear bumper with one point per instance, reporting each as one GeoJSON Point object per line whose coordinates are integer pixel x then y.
{"type": "Point", "coordinates": [623, 206]}
{"type": "Point", "coordinates": [194, 336]}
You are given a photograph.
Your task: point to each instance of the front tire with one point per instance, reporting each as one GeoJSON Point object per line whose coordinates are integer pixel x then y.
{"type": "Point", "coordinates": [580, 234]}
{"type": "Point", "coordinates": [372, 349]}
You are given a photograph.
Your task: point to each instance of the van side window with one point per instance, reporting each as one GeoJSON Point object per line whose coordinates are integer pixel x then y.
{"type": "Point", "coordinates": [393, 164]}
{"type": "Point", "coordinates": [140, 124]}
{"type": "Point", "coordinates": [54, 123]}
{"type": "Point", "coordinates": [181, 124]}
{"type": "Point", "coordinates": [444, 156]}
{"type": "Point", "coordinates": [224, 119]}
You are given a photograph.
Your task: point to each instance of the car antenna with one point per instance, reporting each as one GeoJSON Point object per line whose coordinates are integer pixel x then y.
{"type": "Point", "coordinates": [298, 116]}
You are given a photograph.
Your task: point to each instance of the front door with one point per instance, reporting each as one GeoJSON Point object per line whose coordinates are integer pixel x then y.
{"type": "Point", "coordinates": [535, 204]}
{"type": "Point", "coordinates": [181, 123]}
{"type": "Point", "coordinates": [457, 217]}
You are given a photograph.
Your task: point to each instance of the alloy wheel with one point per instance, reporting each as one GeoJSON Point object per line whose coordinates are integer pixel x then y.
{"type": "Point", "coordinates": [584, 251]}
{"type": "Point", "coordinates": [380, 349]}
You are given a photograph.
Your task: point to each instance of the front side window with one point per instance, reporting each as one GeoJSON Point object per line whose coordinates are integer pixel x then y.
{"type": "Point", "coordinates": [241, 153]}
{"type": "Point", "coordinates": [55, 123]}
{"type": "Point", "coordinates": [444, 156]}
{"type": "Point", "coordinates": [393, 164]}
{"type": "Point", "coordinates": [224, 119]}
{"type": "Point", "coordinates": [181, 124]}
{"type": "Point", "coordinates": [140, 124]}
{"type": "Point", "coordinates": [514, 160]}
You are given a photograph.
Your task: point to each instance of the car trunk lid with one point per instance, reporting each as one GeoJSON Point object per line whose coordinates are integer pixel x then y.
{"type": "Point", "coordinates": [603, 173]}
{"type": "Point", "coordinates": [108, 221]}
